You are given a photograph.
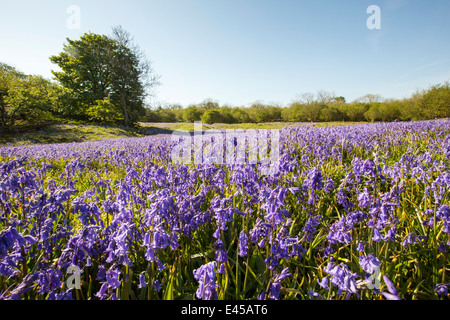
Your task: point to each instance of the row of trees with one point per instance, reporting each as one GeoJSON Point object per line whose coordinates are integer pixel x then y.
{"type": "Point", "coordinates": [104, 79]}
{"type": "Point", "coordinates": [430, 103]}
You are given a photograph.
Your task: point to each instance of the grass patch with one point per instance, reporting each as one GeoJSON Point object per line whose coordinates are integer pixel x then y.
{"type": "Point", "coordinates": [64, 133]}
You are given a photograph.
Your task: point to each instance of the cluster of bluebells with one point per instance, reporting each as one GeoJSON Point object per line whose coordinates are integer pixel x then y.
{"type": "Point", "coordinates": [126, 217]}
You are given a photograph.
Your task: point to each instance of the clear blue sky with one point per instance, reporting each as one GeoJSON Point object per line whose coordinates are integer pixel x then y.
{"type": "Point", "coordinates": [241, 51]}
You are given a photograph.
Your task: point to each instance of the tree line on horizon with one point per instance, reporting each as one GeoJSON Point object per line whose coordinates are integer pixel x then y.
{"type": "Point", "coordinates": [105, 80]}
{"type": "Point", "coordinates": [323, 106]}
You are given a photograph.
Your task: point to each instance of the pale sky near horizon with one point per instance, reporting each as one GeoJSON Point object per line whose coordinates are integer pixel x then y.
{"type": "Point", "coordinates": [240, 51]}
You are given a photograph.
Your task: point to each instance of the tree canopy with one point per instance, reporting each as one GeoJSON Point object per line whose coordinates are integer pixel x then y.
{"type": "Point", "coordinates": [97, 67]}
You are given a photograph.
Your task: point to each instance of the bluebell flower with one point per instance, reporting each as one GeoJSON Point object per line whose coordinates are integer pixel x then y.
{"type": "Point", "coordinates": [161, 239]}
{"type": "Point", "coordinates": [157, 285]}
{"type": "Point", "coordinates": [369, 263]}
{"type": "Point", "coordinates": [274, 290]}
{"type": "Point", "coordinates": [8, 237]}
{"type": "Point", "coordinates": [314, 179]}
{"type": "Point", "coordinates": [275, 286]}
{"type": "Point", "coordinates": [66, 295]}
{"type": "Point", "coordinates": [221, 269]}
{"type": "Point", "coordinates": [393, 293]}
{"type": "Point", "coordinates": [410, 239]}
{"type": "Point", "coordinates": [206, 277]}
{"type": "Point", "coordinates": [221, 253]}
{"type": "Point", "coordinates": [442, 289]}
{"type": "Point", "coordinates": [360, 247]}
{"type": "Point", "coordinates": [112, 278]}
{"type": "Point", "coordinates": [101, 294]}
{"type": "Point", "coordinates": [243, 243]}
{"type": "Point", "coordinates": [342, 277]}
{"type": "Point", "coordinates": [364, 199]}
{"type": "Point", "coordinates": [142, 283]}
{"type": "Point", "coordinates": [49, 280]}
{"type": "Point", "coordinates": [329, 185]}
{"type": "Point", "coordinates": [25, 286]}
{"type": "Point", "coordinates": [310, 227]}
{"type": "Point", "coordinates": [101, 273]}
{"type": "Point", "coordinates": [376, 235]}
{"type": "Point", "coordinates": [323, 283]}
{"type": "Point", "coordinates": [390, 235]}
{"type": "Point", "coordinates": [312, 294]}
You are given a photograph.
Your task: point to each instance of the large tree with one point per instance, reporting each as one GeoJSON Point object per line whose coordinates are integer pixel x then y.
{"type": "Point", "coordinates": [96, 67]}
{"type": "Point", "coordinates": [132, 75]}
{"type": "Point", "coordinates": [85, 70]}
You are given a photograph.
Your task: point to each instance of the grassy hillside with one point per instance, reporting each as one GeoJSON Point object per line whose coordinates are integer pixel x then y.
{"type": "Point", "coordinates": [60, 133]}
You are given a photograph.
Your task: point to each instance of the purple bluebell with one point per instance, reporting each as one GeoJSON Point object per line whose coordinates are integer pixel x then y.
{"type": "Point", "coordinates": [157, 286]}
{"type": "Point", "coordinates": [220, 251]}
{"type": "Point", "coordinates": [142, 283]}
{"type": "Point", "coordinates": [393, 293]}
{"type": "Point", "coordinates": [275, 285]}
{"type": "Point", "coordinates": [112, 278]}
{"type": "Point", "coordinates": [312, 294]}
{"type": "Point", "coordinates": [364, 198]}
{"type": "Point", "coordinates": [66, 295]}
{"type": "Point", "coordinates": [342, 277]}
{"type": "Point", "coordinates": [323, 283]}
{"type": "Point", "coordinates": [442, 289]}
{"type": "Point", "coordinates": [49, 280]}
{"type": "Point", "coordinates": [243, 243]}
{"type": "Point", "coordinates": [329, 185]}
{"type": "Point", "coordinates": [360, 247]}
{"type": "Point", "coordinates": [8, 237]}
{"type": "Point", "coordinates": [310, 227]}
{"type": "Point", "coordinates": [376, 235]}
{"type": "Point", "coordinates": [206, 277]}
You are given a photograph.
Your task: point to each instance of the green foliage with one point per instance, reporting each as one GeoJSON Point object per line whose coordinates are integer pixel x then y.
{"type": "Point", "coordinates": [9, 76]}
{"type": "Point", "coordinates": [312, 112]}
{"type": "Point", "coordinates": [240, 115]}
{"type": "Point", "coordinates": [294, 113]}
{"type": "Point", "coordinates": [330, 113]}
{"type": "Point", "coordinates": [192, 113]}
{"type": "Point", "coordinates": [226, 115]}
{"type": "Point", "coordinates": [259, 112]}
{"type": "Point", "coordinates": [372, 113]}
{"type": "Point", "coordinates": [435, 102]}
{"type": "Point", "coordinates": [211, 116]}
{"type": "Point", "coordinates": [86, 67]}
{"type": "Point", "coordinates": [97, 66]}
{"type": "Point", "coordinates": [104, 111]}
{"type": "Point", "coordinates": [355, 111]}
{"type": "Point", "coordinates": [324, 107]}
{"type": "Point", "coordinates": [25, 99]}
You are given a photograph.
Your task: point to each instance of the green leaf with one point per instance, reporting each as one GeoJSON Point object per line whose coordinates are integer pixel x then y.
{"type": "Point", "coordinates": [168, 293]}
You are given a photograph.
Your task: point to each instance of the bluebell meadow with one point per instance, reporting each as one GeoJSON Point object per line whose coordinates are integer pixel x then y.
{"type": "Point", "coordinates": [346, 203]}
